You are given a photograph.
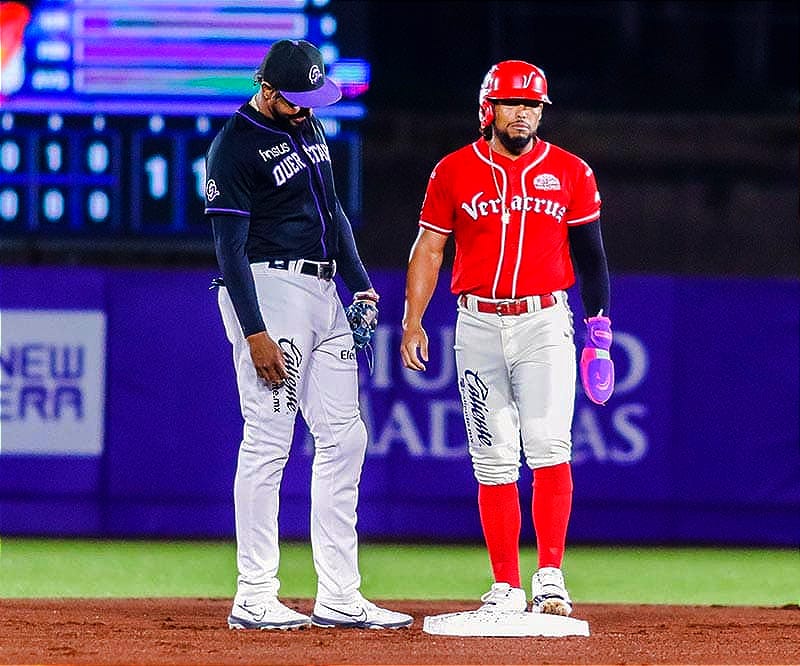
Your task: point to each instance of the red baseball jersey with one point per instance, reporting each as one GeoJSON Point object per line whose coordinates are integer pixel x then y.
{"type": "Point", "coordinates": [509, 218]}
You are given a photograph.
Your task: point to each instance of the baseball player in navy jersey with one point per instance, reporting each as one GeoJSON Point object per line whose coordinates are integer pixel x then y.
{"type": "Point", "coordinates": [520, 210]}
{"type": "Point", "coordinates": [281, 235]}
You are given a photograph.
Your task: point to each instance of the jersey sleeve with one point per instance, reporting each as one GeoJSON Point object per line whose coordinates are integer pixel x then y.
{"type": "Point", "coordinates": [228, 178]}
{"type": "Point", "coordinates": [585, 204]}
{"type": "Point", "coordinates": [348, 261]}
{"type": "Point", "coordinates": [437, 212]}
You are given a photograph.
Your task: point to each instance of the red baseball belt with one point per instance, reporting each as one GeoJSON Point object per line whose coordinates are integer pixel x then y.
{"type": "Point", "coordinates": [507, 306]}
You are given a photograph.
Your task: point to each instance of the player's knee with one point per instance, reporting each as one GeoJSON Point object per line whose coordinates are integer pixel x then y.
{"type": "Point", "coordinates": [357, 436]}
{"type": "Point", "coordinates": [261, 457]}
{"type": "Point", "coordinates": [261, 433]}
{"type": "Point", "coordinates": [547, 452]}
{"type": "Point", "coordinates": [493, 473]}
{"type": "Point", "coordinates": [348, 436]}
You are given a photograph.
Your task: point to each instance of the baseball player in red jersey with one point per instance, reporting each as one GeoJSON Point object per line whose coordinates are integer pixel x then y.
{"type": "Point", "coordinates": [524, 215]}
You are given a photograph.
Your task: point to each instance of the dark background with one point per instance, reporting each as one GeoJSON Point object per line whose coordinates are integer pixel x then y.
{"type": "Point", "coordinates": [599, 56]}
{"type": "Point", "coordinates": [687, 112]}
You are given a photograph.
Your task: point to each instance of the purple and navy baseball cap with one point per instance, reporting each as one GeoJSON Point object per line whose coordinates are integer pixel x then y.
{"type": "Point", "coordinates": [295, 68]}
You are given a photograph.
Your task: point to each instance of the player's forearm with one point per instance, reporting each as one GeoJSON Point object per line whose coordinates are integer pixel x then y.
{"type": "Point", "coordinates": [348, 261]}
{"type": "Point", "coordinates": [230, 236]}
{"type": "Point", "coordinates": [589, 259]}
{"type": "Point", "coordinates": [423, 274]}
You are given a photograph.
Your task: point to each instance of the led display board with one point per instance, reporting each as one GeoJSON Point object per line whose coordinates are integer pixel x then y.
{"type": "Point", "coordinates": [108, 106]}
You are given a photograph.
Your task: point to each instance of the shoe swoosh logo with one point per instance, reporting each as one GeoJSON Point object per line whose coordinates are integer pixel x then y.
{"type": "Point", "coordinates": [359, 617]}
{"type": "Point", "coordinates": [257, 616]}
{"type": "Point", "coordinates": [602, 385]}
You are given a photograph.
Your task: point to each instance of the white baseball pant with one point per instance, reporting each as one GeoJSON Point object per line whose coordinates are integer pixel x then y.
{"type": "Point", "coordinates": [305, 317]}
{"type": "Point", "coordinates": [516, 376]}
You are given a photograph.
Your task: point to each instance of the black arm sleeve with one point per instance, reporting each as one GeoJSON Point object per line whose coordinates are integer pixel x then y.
{"type": "Point", "coordinates": [589, 259]}
{"type": "Point", "coordinates": [348, 263]}
{"type": "Point", "coordinates": [230, 239]}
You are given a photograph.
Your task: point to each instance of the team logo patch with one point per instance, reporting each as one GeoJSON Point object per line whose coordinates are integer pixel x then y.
{"type": "Point", "coordinates": [314, 74]}
{"type": "Point", "coordinates": [212, 192]}
{"type": "Point", "coordinates": [546, 181]}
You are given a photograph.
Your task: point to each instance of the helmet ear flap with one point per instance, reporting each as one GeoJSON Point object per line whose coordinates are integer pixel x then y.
{"type": "Point", "coordinates": [486, 113]}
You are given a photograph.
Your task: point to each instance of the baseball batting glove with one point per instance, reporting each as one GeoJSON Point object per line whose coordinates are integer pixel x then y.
{"type": "Point", "coordinates": [597, 368]}
{"type": "Point", "coordinates": [362, 315]}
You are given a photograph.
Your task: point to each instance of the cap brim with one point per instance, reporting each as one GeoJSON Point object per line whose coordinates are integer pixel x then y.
{"type": "Point", "coordinates": [329, 93]}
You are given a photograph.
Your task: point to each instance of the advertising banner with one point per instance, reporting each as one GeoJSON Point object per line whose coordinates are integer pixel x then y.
{"type": "Point", "coordinates": [52, 382]}
{"type": "Point", "coordinates": [700, 442]}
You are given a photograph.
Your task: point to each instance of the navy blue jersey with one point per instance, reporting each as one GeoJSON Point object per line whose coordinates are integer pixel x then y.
{"type": "Point", "coordinates": [281, 179]}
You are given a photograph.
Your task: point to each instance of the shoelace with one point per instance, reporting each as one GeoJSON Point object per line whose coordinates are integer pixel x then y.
{"type": "Point", "coordinates": [495, 596]}
{"type": "Point", "coordinates": [552, 579]}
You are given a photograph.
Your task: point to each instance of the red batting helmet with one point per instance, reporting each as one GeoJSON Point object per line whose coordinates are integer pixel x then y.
{"type": "Point", "coordinates": [510, 79]}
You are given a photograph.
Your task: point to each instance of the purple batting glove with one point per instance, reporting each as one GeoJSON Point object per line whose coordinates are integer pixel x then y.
{"type": "Point", "coordinates": [597, 368]}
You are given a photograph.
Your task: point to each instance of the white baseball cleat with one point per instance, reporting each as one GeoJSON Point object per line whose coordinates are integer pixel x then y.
{"type": "Point", "coordinates": [549, 592]}
{"type": "Point", "coordinates": [361, 614]}
{"type": "Point", "coordinates": [503, 597]}
{"type": "Point", "coordinates": [268, 613]}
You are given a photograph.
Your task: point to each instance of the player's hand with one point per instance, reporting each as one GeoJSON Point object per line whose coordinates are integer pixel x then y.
{"type": "Point", "coordinates": [267, 358]}
{"type": "Point", "coordinates": [596, 366]}
{"type": "Point", "coordinates": [414, 347]}
{"type": "Point", "coordinates": [367, 295]}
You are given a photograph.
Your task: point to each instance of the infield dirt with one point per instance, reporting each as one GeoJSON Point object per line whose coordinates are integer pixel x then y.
{"type": "Point", "coordinates": [193, 631]}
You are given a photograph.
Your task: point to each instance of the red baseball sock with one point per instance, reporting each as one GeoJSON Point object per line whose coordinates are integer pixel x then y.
{"type": "Point", "coordinates": [501, 520]}
{"type": "Point", "coordinates": [551, 506]}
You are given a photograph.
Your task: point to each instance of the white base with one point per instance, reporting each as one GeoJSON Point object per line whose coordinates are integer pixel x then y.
{"type": "Point", "coordinates": [504, 623]}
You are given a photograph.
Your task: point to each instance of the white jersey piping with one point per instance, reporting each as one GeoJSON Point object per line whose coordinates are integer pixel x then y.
{"type": "Point", "coordinates": [492, 165]}
{"type": "Point", "coordinates": [522, 218]}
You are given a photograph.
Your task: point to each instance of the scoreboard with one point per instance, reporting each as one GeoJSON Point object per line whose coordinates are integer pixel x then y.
{"type": "Point", "coordinates": [106, 112]}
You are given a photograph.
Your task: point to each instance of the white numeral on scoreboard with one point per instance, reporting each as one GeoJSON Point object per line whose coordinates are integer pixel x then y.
{"type": "Point", "coordinates": [156, 168]}
{"type": "Point", "coordinates": [53, 154]}
{"type": "Point", "coordinates": [99, 206]}
{"type": "Point", "coordinates": [9, 156]}
{"type": "Point", "coordinates": [53, 205]}
{"type": "Point", "coordinates": [9, 204]}
{"type": "Point", "coordinates": [199, 170]}
{"type": "Point", "coordinates": [98, 157]}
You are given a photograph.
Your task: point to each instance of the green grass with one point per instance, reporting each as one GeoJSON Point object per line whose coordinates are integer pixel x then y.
{"type": "Point", "coordinates": [80, 568]}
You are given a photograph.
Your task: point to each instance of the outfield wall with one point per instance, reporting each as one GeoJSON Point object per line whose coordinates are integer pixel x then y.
{"type": "Point", "coordinates": [119, 415]}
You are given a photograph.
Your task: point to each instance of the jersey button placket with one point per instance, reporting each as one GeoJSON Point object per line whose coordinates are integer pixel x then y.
{"type": "Point", "coordinates": [512, 232]}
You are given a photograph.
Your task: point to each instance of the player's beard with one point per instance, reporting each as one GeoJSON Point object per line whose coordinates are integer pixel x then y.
{"type": "Point", "coordinates": [517, 143]}
{"type": "Point", "coordinates": [294, 120]}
